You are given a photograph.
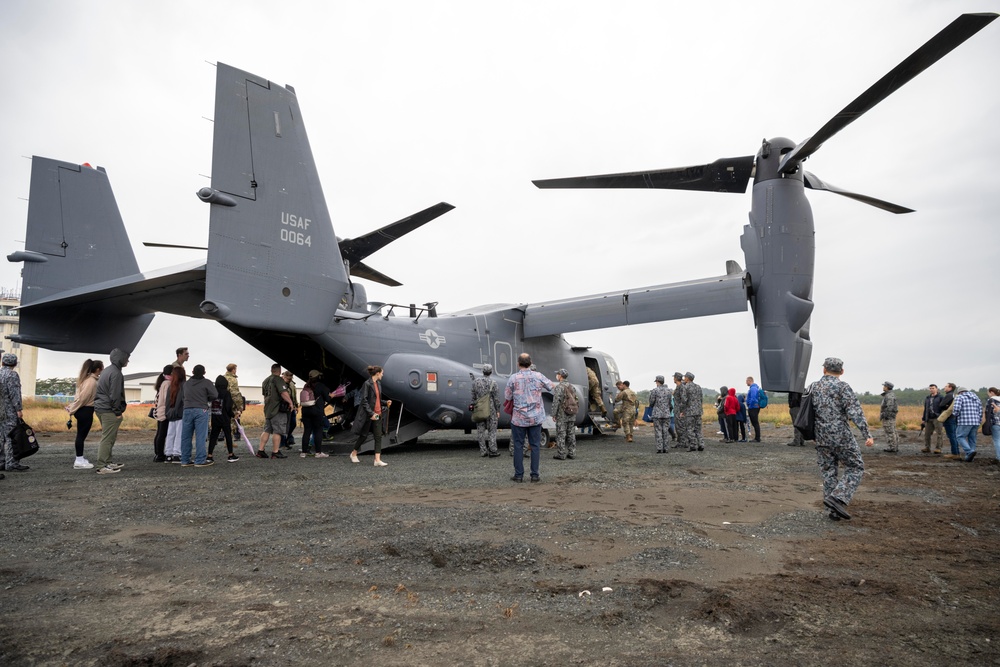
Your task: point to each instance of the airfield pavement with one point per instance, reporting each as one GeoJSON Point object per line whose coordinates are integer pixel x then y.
{"type": "Point", "coordinates": [619, 557]}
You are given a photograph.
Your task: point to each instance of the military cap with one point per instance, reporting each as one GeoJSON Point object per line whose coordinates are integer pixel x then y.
{"type": "Point", "coordinates": [313, 374]}
{"type": "Point", "coordinates": [487, 369]}
{"type": "Point", "coordinates": [562, 373]}
{"type": "Point", "coordinates": [659, 378]}
{"type": "Point", "coordinates": [833, 364]}
{"type": "Point", "coordinates": [9, 359]}
{"type": "Point", "coordinates": [678, 376]}
{"type": "Point", "coordinates": [888, 385]}
{"type": "Point", "coordinates": [689, 375]}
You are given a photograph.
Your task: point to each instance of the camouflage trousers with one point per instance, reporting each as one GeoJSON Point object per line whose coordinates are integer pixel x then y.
{"type": "Point", "coordinates": [830, 458]}
{"type": "Point", "coordinates": [661, 430]}
{"type": "Point", "coordinates": [891, 438]}
{"type": "Point", "coordinates": [595, 400]}
{"type": "Point", "coordinates": [486, 432]}
{"type": "Point", "coordinates": [689, 432]}
{"type": "Point", "coordinates": [566, 437]}
{"type": "Point", "coordinates": [930, 427]}
{"type": "Point", "coordinates": [7, 425]}
{"type": "Point", "coordinates": [625, 415]}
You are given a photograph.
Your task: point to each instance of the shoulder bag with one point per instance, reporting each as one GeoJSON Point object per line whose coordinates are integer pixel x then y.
{"type": "Point", "coordinates": [23, 440]}
{"type": "Point", "coordinates": [481, 409]}
{"type": "Point", "coordinates": [805, 421]}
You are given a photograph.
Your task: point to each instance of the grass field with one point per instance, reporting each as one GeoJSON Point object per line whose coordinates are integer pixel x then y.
{"type": "Point", "coordinates": [48, 417]}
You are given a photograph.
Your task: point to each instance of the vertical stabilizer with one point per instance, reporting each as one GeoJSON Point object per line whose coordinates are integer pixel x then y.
{"type": "Point", "coordinates": [75, 225]}
{"type": "Point", "coordinates": [273, 259]}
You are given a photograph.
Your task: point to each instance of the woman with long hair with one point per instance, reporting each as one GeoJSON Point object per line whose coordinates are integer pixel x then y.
{"type": "Point", "coordinates": [175, 414]}
{"type": "Point", "coordinates": [371, 415]}
{"type": "Point", "coordinates": [160, 414]}
{"type": "Point", "coordinates": [82, 407]}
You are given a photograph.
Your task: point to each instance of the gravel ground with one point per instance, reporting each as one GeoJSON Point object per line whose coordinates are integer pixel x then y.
{"type": "Point", "coordinates": [619, 557]}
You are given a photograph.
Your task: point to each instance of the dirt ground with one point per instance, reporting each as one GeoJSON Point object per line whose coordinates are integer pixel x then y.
{"type": "Point", "coordinates": [619, 557]}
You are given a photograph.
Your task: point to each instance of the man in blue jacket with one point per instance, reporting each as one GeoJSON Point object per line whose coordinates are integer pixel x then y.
{"type": "Point", "coordinates": [753, 407]}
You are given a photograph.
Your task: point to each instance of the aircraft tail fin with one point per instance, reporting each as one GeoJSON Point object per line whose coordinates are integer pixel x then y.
{"type": "Point", "coordinates": [75, 238]}
{"type": "Point", "coordinates": [273, 259]}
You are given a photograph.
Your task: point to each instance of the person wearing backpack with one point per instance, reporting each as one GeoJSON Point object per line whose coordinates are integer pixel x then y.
{"type": "Point", "coordinates": [486, 431]}
{"type": "Point", "coordinates": [753, 407]}
{"type": "Point", "coordinates": [565, 405]}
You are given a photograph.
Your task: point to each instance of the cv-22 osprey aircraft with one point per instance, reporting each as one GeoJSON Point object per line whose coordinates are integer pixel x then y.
{"type": "Point", "coordinates": [278, 277]}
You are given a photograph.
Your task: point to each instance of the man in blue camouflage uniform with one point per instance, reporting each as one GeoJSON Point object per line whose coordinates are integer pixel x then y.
{"type": "Point", "coordinates": [660, 401]}
{"type": "Point", "coordinates": [10, 410]}
{"type": "Point", "coordinates": [835, 403]}
{"type": "Point", "coordinates": [887, 414]}
{"type": "Point", "coordinates": [689, 412]}
{"type": "Point", "coordinates": [565, 424]}
{"type": "Point", "coordinates": [486, 432]}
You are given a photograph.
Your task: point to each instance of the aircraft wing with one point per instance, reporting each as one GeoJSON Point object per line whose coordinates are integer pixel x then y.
{"type": "Point", "coordinates": [674, 301]}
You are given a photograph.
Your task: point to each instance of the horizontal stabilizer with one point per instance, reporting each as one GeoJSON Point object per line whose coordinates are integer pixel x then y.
{"type": "Point", "coordinates": [723, 175]}
{"type": "Point", "coordinates": [676, 301]}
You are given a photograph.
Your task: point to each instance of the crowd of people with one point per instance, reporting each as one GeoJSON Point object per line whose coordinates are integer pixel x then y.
{"type": "Point", "coordinates": [193, 414]}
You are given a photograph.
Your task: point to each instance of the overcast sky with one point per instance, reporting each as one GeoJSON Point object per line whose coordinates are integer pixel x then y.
{"type": "Point", "coordinates": [412, 103]}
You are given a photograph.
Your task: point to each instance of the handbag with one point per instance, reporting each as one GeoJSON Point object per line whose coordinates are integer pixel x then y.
{"type": "Point", "coordinates": [805, 421]}
{"type": "Point", "coordinates": [23, 440]}
{"type": "Point", "coordinates": [647, 414]}
{"type": "Point", "coordinates": [508, 406]}
{"type": "Point", "coordinates": [152, 412]}
{"type": "Point", "coordinates": [481, 409]}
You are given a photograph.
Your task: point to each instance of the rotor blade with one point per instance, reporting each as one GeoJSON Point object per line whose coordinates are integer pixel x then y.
{"type": "Point", "coordinates": [814, 182]}
{"type": "Point", "coordinates": [362, 270]}
{"type": "Point", "coordinates": [961, 29]}
{"type": "Point", "coordinates": [355, 250]}
{"type": "Point", "coordinates": [724, 175]}
{"type": "Point", "coordinates": [150, 244]}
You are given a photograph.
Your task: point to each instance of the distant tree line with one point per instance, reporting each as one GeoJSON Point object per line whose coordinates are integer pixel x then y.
{"type": "Point", "coordinates": [55, 387]}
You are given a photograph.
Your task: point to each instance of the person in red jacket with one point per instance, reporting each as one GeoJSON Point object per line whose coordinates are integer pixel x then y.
{"type": "Point", "coordinates": [731, 407]}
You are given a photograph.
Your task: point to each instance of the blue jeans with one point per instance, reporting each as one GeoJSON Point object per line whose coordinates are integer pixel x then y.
{"type": "Point", "coordinates": [996, 440]}
{"type": "Point", "coordinates": [534, 434]}
{"type": "Point", "coordinates": [949, 430]}
{"type": "Point", "coordinates": [966, 436]}
{"type": "Point", "coordinates": [196, 424]}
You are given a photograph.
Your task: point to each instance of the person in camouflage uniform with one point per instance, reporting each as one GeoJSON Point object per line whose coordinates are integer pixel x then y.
{"type": "Point", "coordinates": [660, 401]}
{"type": "Point", "coordinates": [887, 414]}
{"type": "Point", "coordinates": [565, 424]}
{"type": "Point", "coordinates": [834, 403]}
{"type": "Point", "coordinates": [625, 412]}
{"type": "Point", "coordinates": [689, 412]}
{"type": "Point", "coordinates": [10, 410]}
{"type": "Point", "coordinates": [486, 432]}
{"type": "Point", "coordinates": [239, 403]}
{"type": "Point", "coordinates": [595, 398]}
{"type": "Point", "coordinates": [674, 419]}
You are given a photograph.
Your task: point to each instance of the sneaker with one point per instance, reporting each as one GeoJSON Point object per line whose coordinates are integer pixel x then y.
{"type": "Point", "coordinates": [159, 459]}
{"type": "Point", "coordinates": [233, 458]}
{"type": "Point", "coordinates": [261, 454]}
{"type": "Point", "coordinates": [82, 464]}
{"type": "Point", "coordinates": [536, 479]}
{"type": "Point", "coordinates": [321, 455]}
{"type": "Point", "coordinates": [968, 459]}
{"type": "Point", "coordinates": [107, 471]}
{"type": "Point", "coordinates": [278, 455]}
{"type": "Point", "coordinates": [304, 454]}
{"type": "Point", "coordinates": [20, 467]}
{"type": "Point", "coordinates": [189, 464]}
{"type": "Point", "coordinates": [116, 466]}
{"type": "Point", "coordinates": [380, 464]}
{"type": "Point", "coordinates": [517, 479]}
{"type": "Point", "coordinates": [207, 463]}
{"type": "Point", "coordinates": [355, 459]}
